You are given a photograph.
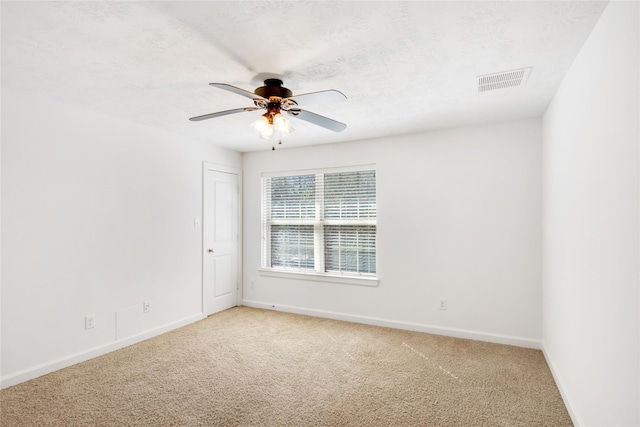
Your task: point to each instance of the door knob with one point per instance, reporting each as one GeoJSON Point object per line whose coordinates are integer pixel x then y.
{"type": "Point", "coordinates": [210, 250]}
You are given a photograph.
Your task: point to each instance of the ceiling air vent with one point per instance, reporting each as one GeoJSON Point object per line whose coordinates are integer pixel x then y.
{"type": "Point", "coordinates": [503, 80]}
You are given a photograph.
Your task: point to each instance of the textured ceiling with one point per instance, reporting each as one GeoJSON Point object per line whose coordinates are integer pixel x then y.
{"type": "Point", "coordinates": [405, 66]}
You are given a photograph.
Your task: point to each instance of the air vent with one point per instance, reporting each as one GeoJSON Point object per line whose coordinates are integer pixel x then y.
{"type": "Point", "coordinates": [503, 80]}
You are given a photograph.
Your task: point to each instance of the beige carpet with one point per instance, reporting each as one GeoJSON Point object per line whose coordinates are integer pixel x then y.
{"type": "Point", "coordinates": [255, 367]}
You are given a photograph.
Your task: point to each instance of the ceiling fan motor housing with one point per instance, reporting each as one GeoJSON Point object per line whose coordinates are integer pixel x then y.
{"type": "Point", "coordinates": [273, 87]}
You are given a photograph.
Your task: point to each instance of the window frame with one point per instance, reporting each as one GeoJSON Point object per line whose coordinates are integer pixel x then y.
{"type": "Point", "coordinates": [318, 223]}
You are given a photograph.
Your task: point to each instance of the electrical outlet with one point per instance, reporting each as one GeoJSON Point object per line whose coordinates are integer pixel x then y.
{"type": "Point", "coordinates": [253, 285]}
{"type": "Point", "coordinates": [146, 307]}
{"type": "Point", "coordinates": [89, 321]}
{"type": "Point", "coordinates": [442, 303]}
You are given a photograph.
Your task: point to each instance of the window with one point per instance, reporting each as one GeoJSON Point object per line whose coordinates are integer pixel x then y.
{"type": "Point", "coordinates": [320, 223]}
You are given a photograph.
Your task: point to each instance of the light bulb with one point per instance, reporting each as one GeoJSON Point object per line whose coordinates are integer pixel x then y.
{"type": "Point", "coordinates": [281, 124]}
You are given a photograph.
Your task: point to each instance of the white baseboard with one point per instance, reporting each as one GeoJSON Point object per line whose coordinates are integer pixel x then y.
{"type": "Point", "coordinates": [54, 365]}
{"type": "Point", "coordinates": [410, 326]}
{"type": "Point", "coordinates": [577, 421]}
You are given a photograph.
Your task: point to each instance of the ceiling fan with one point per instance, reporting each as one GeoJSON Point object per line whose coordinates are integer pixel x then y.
{"type": "Point", "coordinates": [275, 99]}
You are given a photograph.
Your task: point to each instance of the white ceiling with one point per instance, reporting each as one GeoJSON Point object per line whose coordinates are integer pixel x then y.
{"type": "Point", "coordinates": [405, 66]}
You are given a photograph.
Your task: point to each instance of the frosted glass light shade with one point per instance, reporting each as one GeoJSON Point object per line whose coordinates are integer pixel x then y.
{"type": "Point", "coordinates": [263, 127]}
{"type": "Point", "coordinates": [281, 124]}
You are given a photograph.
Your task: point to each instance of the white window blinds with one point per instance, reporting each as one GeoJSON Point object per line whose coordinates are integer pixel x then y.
{"type": "Point", "coordinates": [320, 222]}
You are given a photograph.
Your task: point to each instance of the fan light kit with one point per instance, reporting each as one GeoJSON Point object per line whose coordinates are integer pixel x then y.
{"type": "Point", "coordinates": [276, 100]}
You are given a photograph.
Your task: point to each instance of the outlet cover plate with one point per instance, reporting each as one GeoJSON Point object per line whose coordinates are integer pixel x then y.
{"type": "Point", "coordinates": [89, 321]}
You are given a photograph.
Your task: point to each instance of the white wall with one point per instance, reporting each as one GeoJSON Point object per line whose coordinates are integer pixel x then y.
{"type": "Point", "coordinates": [97, 217]}
{"type": "Point", "coordinates": [591, 226]}
{"type": "Point", "coordinates": [459, 218]}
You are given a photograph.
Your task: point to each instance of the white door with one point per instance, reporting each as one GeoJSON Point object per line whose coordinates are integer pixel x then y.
{"type": "Point", "coordinates": [220, 241]}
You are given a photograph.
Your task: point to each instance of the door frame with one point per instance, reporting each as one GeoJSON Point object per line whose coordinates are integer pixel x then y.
{"type": "Point", "coordinates": [207, 166]}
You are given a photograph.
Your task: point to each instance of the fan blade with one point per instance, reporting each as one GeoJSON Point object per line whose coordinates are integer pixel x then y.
{"type": "Point", "coordinates": [222, 113]}
{"type": "Point", "coordinates": [321, 97]}
{"type": "Point", "coordinates": [317, 119]}
{"type": "Point", "coordinates": [237, 90]}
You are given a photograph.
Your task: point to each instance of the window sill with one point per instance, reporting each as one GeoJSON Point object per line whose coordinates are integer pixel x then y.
{"type": "Point", "coordinates": [315, 277]}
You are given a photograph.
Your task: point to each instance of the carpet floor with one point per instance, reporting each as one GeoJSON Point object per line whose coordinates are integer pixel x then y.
{"type": "Point", "coordinates": [251, 367]}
